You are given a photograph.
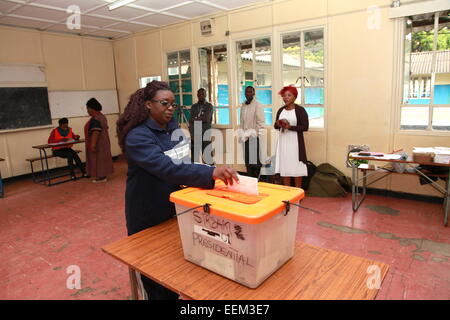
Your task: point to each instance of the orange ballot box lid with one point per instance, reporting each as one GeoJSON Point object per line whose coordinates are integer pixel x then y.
{"type": "Point", "coordinates": [250, 209]}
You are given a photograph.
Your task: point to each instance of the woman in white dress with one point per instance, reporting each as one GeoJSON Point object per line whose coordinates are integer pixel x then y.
{"type": "Point", "coordinates": [291, 121]}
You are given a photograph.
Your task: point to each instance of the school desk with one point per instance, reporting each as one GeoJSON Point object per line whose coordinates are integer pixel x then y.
{"type": "Point", "coordinates": [43, 158]}
{"type": "Point", "coordinates": [312, 273]}
{"type": "Point", "coordinates": [358, 198]}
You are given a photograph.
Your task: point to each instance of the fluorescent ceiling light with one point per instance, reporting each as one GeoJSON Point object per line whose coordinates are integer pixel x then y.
{"type": "Point", "coordinates": [119, 3]}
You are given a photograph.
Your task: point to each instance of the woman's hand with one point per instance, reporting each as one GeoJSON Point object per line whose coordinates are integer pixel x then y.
{"type": "Point", "coordinates": [285, 124]}
{"type": "Point", "coordinates": [226, 174]}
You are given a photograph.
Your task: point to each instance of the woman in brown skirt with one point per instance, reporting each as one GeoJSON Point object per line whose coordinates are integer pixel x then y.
{"type": "Point", "coordinates": [98, 147]}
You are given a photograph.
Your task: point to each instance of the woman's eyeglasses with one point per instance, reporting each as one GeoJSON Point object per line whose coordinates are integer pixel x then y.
{"type": "Point", "coordinates": [166, 103]}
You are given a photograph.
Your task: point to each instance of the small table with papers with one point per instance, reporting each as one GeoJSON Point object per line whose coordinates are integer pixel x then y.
{"type": "Point", "coordinates": [358, 198]}
{"type": "Point", "coordinates": [43, 158]}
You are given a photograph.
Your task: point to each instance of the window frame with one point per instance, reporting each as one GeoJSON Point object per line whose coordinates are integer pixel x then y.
{"type": "Point", "coordinates": [300, 30]}
{"type": "Point", "coordinates": [180, 78]}
{"type": "Point", "coordinates": [198, 78]}
{"type": "Point", "coordinates": [429, 131]}
{"type": "Point", "coordinates": [236, 92]}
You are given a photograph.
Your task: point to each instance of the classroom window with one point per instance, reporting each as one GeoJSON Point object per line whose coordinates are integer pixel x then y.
{"type": "Point", "coordinates": [144, 80]}
{"type": "Point", "coordinates": [303, 66]}
{"type": "Point", "coordinates": [213, 63]}
{"type": "Point", "coordinates": [254, 60]}
{"type": "Point", "coordinates": [426, 79]}
{"type": "Point", "coordinates": [179, 74]}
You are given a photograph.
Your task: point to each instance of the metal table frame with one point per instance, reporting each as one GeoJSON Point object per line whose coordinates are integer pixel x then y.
{"type": "Point", "coordinates": [358, 198]}
{"type": "Point", "coordinates": [47, 177]}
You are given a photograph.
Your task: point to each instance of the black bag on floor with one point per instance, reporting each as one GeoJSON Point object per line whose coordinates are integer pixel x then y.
{"type": "Point", "coordinates": [329, 182]}
{"type": "Point", "coordinates": [311, 171]}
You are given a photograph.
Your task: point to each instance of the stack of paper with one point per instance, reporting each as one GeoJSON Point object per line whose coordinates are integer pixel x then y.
{"type": "Point", "coordinates": [442, 155]}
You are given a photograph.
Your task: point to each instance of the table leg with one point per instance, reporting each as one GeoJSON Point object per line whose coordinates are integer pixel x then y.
{"type": "Point", "coordinates": [134, 284]}
{"type": "Point", "coordinates": [357, 197]}
{"type": "Point", "coordinates": [49, 181]}
{"type": "Point", "coordinates": [446, 200]}
{"type": "Point", "coordinates": [354, 188]}
{"type": "Point", "coordinates": [1, 187]}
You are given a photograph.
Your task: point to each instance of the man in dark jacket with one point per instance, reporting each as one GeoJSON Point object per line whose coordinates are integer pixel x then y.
{"type": "Point", "coordinates": [199, 122]}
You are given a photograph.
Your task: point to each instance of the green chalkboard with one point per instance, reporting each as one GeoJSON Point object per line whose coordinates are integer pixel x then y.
{"type": "Point", "coordinates": [24, 107]}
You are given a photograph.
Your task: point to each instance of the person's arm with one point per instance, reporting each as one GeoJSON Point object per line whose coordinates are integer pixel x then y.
{"type": "Point", "coordinates": [142, 149]}
{"type": "Point", "coordinates": [259, 119]}
{"type": "Point", "coordinates": [302, 121]}
{"type": "Point", "coordinates": [207, 113]}
{"type": "Point", "coordinates": [52, 138]}
{"type": "Point", "coordinates": [277, 124]}
{"type": "Point", "coordinates": [192, 116]}
{"type": "Point", "coordinates": [74, 136]}
{"type": "Point", "coordinates": [95, 128]}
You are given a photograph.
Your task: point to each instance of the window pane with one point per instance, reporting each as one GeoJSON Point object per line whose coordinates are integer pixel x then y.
{"type": "Point", "coordinates": [204, 66]}
{"type": "Point", "coordinates": [316, 117]}
{"type": "Point", "coordinates": [418, 59]}
{"type": "Point", "coordinates": [263, 63]}
{"type": "Point", "coordinates": [314, 50]}
{"type": "Point", "coordinates": [441, 118]}
{"type": "Point", "coordinates": [186, 86]}
{"type": "Point", "coordinates": [442, 66]}
{"type": "Point", "coordinates": [291, 72]}
{"type": "Point", "coordinates": [174, 86]}
{"type": "Point", "coordinates": [220, 75]}
{"type": "Point", "coordinates": [185, 71]}
{"type": "Point", "coordinates": [214, 77]}
{"type": "Point", "coordinates": [443, 40]}
{"type": "Point", "coordinates": [185, 57]}
{"type": "Point", "coordinates": [314, 96]}
{"type": "Point", "coordinates": [238, 111]}
{"type": "Point", "coordinates": [187, 99]}
{"type": "Point", "coordinates": [245, 66]}
{"type": "Point", "coordinates": [414, 118]}
{"type": "Point", "coordinates": [172, 65]}
{"type": "Point", "coordinates": [222, 115]}
{"type": "Point", "coordinates": [442, 87]}
{"type": "Point", "coordinates": [423, 33]}
{"type": "Point", "coordinates": [223, 93]}
{"type": "Point", "coordinates": [264, 97]}
{"type": "Point", "coordinates": [268, 116]}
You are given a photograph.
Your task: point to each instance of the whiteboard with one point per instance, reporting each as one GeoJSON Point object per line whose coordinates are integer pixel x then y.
{"type": "Point", "coordinates": [70, 104]}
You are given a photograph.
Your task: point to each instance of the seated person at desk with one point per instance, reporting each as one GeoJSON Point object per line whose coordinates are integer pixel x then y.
{"type": "Point", "coordinates": [61, 134]}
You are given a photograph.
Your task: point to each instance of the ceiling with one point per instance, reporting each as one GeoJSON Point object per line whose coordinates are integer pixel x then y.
{"type": "Point", "coordinates": [96, 20]}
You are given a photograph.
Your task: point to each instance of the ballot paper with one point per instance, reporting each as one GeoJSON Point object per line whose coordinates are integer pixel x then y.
{"type": "Point", "coordinates": [247, 185]}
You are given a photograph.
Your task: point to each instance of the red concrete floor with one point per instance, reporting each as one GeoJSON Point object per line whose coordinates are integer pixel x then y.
{"type": "Point", "coordinates": [45, 230]}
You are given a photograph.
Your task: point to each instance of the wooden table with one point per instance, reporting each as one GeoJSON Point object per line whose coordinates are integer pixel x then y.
{"type": "Point", "coordinates": [313, 272]}
{"type": "Point", "coordinates": [357, 200]}
{"type": "Point", "coordinates": [47, 179]}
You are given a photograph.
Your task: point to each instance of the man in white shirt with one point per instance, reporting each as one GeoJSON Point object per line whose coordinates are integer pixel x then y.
{"type": "Point", "coordinates": [252, 126]}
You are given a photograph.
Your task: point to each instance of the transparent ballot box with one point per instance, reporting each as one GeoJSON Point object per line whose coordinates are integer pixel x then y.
{"type": "Point", "coordinates": [243, 237]}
